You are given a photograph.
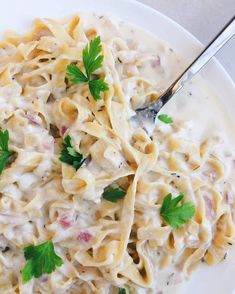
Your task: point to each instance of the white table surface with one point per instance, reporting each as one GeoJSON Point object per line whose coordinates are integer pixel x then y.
{"type": "Point", "coordinates": [204, 19]}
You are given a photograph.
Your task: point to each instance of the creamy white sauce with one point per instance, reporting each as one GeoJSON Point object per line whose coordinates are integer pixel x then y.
{"type": "Point", "coordinates": [196, 103]}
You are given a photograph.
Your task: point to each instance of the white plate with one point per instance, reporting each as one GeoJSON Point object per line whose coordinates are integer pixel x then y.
{"type": "Point", "coordinates": [18, 14]}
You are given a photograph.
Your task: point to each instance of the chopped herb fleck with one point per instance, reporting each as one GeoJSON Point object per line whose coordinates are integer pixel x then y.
{"type": "Point", "coordinates": [92, 60]}
{"type": "Point", "coordinates": [69, 155]}
{"type": "Point", "coordinates": [176, 215]}
{"type": "Point", "coordinates": [122, 291]}
{"type": "Point", "coordinates": [41, 259]}
{"type": "Point", "coordinates": [165, 118]}
{"type": "Point", "coordinates": [113, 194]}
{"type": "Point", "coordinates": [5, 154]}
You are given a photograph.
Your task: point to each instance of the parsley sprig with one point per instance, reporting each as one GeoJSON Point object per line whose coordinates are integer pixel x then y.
{"type": "Point", "coordinates": [42, 259]}
{"type": "Point", "coordinates": [113, 194]}
{"type": "Point", "coordinates": [69, 155]}
{"type": "Point", "coordinates": [5, 154]}
{"type": "Point", "coordinates": [92, 60]}
{"type": "Point", "coordinates": [122, 291]}
{"type": "Point", "coordinates": [173, 213]}
{"type": "Point", "coordinates": [165, 118]}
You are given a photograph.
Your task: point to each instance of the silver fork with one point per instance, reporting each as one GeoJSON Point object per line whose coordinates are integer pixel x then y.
{"type": "Point", "coordinates": [146, 116]}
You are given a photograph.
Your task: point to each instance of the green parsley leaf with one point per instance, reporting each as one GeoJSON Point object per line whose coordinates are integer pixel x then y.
{"type": "Point", "coordinates": [75, 74]}
{"type": "Point", "coordinates": [176, 215]}
{"type": "Point", "coordinates": [113, 194]}
{"type": "Point", "coordinates": [92, 60]}
{"type": "Point", "coordinates": [96, 87]}
{"type": "Point", "coordinates": [42, 259]}
{"type": "Point", "coordinates": [5, 154]}
{"type": "Point", "coordinates": [122, 291]}
{"type": "Point", "coordinates": [91, 56]}
{"type": "Point", "coordinates": [69, 155]}
{"type": "Point", "coordinates": [165, 118]}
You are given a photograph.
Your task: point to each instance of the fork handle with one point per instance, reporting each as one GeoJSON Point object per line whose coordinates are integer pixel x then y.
{"type": "Point", "coordinates": [215, 45]}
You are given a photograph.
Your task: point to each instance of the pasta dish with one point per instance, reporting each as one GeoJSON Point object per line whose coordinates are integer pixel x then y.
{"type": "Point", "coordinates": [89, 203]}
